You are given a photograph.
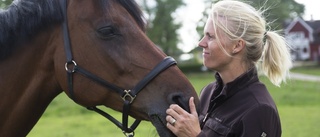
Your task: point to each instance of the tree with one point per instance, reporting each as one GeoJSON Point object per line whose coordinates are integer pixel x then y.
{"type": "Point", "coordinates": [205, 12]}
{"type": "Point", "coordinates": [162, 28]}
{"type": "Point", "coordinates": [277, 11]}
{"type": "Point", "coordinates": [5, 3]}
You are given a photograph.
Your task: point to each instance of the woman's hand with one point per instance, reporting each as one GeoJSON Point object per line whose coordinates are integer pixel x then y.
{"type": "Point", "coordinates": [182, 123]}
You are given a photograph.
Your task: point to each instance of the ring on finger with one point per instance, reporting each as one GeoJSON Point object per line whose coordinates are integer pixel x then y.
{"type": "Point", "coordinates": [173, 121]}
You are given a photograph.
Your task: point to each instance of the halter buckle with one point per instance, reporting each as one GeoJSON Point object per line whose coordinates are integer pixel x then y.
{"type": "Point", "coordinates": [128, 134]}
{"type": "Point", "coordinates": [127, 96]}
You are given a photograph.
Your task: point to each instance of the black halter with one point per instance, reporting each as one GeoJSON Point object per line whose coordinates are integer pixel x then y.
{"type": "Point", "coordinates": [128, 96]}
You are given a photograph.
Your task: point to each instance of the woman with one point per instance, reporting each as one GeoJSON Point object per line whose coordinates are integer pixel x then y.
{"type": "Point", "coordinates": [237, 104]}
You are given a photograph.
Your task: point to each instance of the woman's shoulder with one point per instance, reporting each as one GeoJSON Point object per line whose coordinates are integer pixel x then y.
{"type": "Point", "coordinates": [207, 90]}
{"type": "Point", "coordinates": [259, 92]}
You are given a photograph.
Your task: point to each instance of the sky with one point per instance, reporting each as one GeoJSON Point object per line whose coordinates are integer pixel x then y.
{"type": "Point", "coordinates": [311, 8]}
{"type": "Point", "coordinates": [192, 13]}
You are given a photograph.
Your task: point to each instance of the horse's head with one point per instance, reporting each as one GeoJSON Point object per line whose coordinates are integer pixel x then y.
{"type": "Point", "coordinates": [107, 39]}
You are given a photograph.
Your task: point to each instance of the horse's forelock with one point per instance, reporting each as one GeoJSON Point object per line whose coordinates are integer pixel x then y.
{"type": "Point", "coordinates": [132, 7]}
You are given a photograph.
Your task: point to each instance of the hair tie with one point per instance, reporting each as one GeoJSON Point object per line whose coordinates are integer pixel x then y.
{"type": "Point", "coordinates": [265, 37]}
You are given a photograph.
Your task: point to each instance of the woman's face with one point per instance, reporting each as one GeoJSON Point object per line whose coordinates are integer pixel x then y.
{"type": "Point", "coordinates": [214, 57]}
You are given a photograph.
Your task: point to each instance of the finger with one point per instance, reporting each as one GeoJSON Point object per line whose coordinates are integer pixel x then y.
{"type": "Point", "coordinates": [171, 111]}
{"type": "Point", "coordinates": [178, 109]}
{"type": "Point", "coordinates": [171, 127]}
{"type": "Point", "coordinates": [168, 118]}
{"type": "Point", "coordinates": [172, 114]}
{"type": "Point", "coordinates": [193, 109]}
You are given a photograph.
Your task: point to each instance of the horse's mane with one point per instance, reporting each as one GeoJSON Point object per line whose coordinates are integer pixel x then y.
{"type": "Point", "coordinates": [23, 19]}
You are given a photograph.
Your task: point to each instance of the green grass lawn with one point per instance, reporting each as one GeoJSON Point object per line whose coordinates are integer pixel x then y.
{"type": "Point", "coordinates": [298, 104]}
{"type": "Point", "coordinates": [311, 70]}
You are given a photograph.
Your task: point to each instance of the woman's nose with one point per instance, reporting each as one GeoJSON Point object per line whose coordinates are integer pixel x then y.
{"type": "Point", "coordinates": [202, 43]}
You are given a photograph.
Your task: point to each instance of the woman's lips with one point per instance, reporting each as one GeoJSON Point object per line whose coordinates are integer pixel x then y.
{"type": "Point", "coordinates": [205, 53]}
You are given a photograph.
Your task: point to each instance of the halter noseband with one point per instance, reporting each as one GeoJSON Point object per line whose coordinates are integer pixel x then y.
{"type": "Point", "coordinates": [128, 96]}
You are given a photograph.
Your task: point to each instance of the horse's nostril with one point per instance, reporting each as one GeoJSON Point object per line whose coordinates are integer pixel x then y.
{"type": "Point", "coordinates": [181, 101]}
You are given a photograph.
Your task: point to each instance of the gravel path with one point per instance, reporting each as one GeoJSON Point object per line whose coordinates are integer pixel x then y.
{"type": "Point", "coordinates": [305, 77]}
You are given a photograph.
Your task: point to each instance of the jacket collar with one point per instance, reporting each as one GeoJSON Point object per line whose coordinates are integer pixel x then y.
{"type": "Point", "coordinates": [236, 85]}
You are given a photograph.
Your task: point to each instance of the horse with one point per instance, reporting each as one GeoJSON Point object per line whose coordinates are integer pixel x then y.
{"type": "Point", "coordinates": [94, 51]}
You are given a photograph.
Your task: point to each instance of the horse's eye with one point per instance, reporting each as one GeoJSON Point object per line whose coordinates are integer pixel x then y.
{"type": "Point", "coordinates": [107, 32]}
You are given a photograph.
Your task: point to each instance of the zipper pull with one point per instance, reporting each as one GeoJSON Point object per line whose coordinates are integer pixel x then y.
{"type": "Point", "coordinates": [205, 118]}
{"type": "Point", "coordinates": [203, 121]}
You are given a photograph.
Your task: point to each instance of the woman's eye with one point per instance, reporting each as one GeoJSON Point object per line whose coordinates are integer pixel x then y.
{"type": "Point", "coordinates": [210, 36]}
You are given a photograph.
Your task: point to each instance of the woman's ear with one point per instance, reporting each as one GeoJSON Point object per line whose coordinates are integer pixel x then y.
{"type": "Point", "coordinates": [239, 46]}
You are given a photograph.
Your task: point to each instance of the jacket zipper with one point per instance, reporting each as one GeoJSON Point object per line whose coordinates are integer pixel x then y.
{"type": "Point", "coordinates": [206, 116]}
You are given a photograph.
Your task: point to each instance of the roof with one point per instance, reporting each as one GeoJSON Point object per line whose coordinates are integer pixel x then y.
{"type": "Point", "coordinates": [315, 25]}
{"type": "Point", "coordinates": [313, 28]}
{"type": "Point", "coordinates": [294, 22]}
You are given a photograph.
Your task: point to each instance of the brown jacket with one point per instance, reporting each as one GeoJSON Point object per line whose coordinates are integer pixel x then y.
{"type": "Point", "coordinates": [241, 108]}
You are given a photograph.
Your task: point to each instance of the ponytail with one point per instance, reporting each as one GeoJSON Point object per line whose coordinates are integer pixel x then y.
{"type": "Point", "coordinates": [276, 59]}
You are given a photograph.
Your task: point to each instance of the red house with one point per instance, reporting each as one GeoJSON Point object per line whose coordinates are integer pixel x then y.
{"type": "Point", "coordinates": [304, 38]}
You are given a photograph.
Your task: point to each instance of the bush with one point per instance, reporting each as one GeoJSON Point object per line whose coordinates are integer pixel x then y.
{"type": "Point", "coordinates": [191, 67]}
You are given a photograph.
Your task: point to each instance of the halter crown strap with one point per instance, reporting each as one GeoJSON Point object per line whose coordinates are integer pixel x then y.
{"type": "Point", "coordinates": [66, 35]}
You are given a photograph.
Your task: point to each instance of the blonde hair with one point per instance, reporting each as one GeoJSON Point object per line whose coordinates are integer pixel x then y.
{"type": "Point", "coordinates": [240, 21]}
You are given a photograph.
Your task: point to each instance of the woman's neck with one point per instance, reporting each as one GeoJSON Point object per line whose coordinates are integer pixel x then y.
{"type": "Point", "coordinates": [232, 73]}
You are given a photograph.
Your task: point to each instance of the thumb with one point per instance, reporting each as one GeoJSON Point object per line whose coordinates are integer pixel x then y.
{"type": "Point", "coordinates": [192, 106]}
